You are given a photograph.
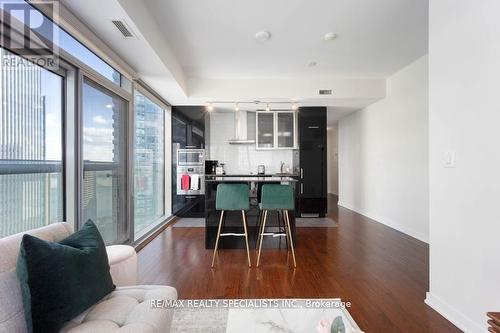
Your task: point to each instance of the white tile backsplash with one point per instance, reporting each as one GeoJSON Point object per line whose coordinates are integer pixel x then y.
{"type": "Point", "coordinates": [241, 158]}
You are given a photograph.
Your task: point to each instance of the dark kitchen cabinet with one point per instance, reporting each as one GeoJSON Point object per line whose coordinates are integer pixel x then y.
{"type": "Point", "coordinates": [191, 206]}
{"type": "Point", "coordinates": [179, 131]}
{"type": "Point", "coordinates": [188, 132]}
{"type": "Point", "coordinates": [312, 187]}
{"type": "Point", "coordinates": [188, 126]}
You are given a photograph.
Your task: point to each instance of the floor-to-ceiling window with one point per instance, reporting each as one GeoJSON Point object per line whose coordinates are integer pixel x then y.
{"type": "Point", "coordinates": [150, 204]}
{"type": "Point", "coordinates": [104, 161]}
{"type": "Point", "coordinates": [31, 145]}
{"type": "Point", "coordinates": [66, 139]}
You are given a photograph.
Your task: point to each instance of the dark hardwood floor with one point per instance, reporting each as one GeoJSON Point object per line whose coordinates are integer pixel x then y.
{"type": "Point", "coordinates": [382, 272]}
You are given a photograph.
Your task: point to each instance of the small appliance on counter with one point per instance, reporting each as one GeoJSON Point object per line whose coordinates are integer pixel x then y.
{"type": "Point", "coordinates": [210, 166]}
{"type": "Point", "coordinates": [219, 170]}
{"type": "Point", "coordinates": [261, 170]}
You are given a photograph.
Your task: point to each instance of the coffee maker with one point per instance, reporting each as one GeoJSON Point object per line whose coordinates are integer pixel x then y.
{"type": "Point", "coordinates": [210, 166]}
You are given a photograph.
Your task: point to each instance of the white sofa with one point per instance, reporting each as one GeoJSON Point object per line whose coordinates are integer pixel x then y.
{"type": "Point", "coordinates": [127, 309]}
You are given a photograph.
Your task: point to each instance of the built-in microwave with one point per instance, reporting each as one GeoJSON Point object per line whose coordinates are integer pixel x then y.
{"type": "Point", "coordinates": [191, 157]}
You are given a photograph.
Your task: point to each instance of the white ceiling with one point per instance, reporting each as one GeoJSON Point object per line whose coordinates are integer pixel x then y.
{"type": "Point", "coordinates": [195, 51]}
{"type": "Point", "coordinates": [215, 38]}
{"type": "Point", "coordinates": [165, 76]}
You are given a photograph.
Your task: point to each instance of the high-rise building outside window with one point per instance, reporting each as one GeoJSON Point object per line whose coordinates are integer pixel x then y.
{"type": "Point", "coordinates": [31, 146]}
{"type": "Point", "coordinates": [149, 156]}
{"type": "Point", "coordinates": [104, 161]}
{"type": "Point", "coordinates": [64, 153]}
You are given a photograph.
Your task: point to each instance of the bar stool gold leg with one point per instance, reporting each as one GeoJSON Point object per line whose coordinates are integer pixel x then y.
{"type": "Point", "coordinates": [246, 237]}
{"type": "Point", "coordinates": [217, 239]}
{"type": "Point", "coordinates": [282, 220]}
{"type": "Point", "coordinates": [289, 233]}
{"type": "Point", "coordinates": [284, 227]}
{"type": "Point", "coordinates": [259, 224]}
{"type": "Point", "coordinates": [259, 236]}
{"type": "Point", "coordinates": [262, 236]}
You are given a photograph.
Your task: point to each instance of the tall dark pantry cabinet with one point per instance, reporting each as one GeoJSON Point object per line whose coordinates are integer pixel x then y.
{"type": "Point", "coordinates": [188, 132]}
{"type": "Point", "coordinates": [312, 187]}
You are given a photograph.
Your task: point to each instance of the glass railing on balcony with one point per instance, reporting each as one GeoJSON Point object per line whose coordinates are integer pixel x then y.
{"type": "Point", "coordinates": [31, 195]}
{"type": "Point", "coordinates": [103, 199]}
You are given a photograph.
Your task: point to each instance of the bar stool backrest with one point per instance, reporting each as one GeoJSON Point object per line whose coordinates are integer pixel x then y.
{"type": "Point", "coordinates": [232, 197]}
{"type": "Point", "coordinates": [277, 197]}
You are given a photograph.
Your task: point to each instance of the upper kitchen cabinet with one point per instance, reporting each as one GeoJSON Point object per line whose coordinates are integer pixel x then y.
{"type": "Point", "coordinates": [285, 129]}
{"type": "Point", "coordinates": [276, 130]}
{"type": "Point", "coordinates": [179, 131]}
{"type": "Point", "coordinates": [265, 130]}
{"type": "Point", "coordinates": [188, 126]}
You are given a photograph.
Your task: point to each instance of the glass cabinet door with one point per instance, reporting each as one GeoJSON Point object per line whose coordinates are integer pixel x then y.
{"type": "Point", "coordinates": [286, 137]}
{"type": "Point", "coordinates": [265, 129]}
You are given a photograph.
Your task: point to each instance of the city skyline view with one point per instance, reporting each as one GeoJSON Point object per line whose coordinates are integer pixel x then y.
{"type": "Point", "coordinates": [103, 140]}
{"type": "Point", "coordinates": [30, 146]}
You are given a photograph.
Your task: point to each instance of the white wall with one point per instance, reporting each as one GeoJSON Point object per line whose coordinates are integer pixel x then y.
{"type": "Point", "coordinates": [242, 158]}
{"type": "Point", "coordinates": [464, 118]}
{"type": "Point", "coordinates": [383, 155]}
{"type": "Point", "coordinates": [333, 162]}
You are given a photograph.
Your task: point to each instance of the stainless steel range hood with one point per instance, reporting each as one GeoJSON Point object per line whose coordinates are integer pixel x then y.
{"type": "Point", "coordinates": [241, 129]}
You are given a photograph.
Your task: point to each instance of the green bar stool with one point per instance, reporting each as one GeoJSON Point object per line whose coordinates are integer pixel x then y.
{"type": "Point", "coordinates": [232, 197]}
{"type": "Point", "coordinates": [277, 197]}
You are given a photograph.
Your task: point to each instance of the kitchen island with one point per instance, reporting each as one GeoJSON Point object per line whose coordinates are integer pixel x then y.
{"type": "Point", "coordinates": [233, 220]}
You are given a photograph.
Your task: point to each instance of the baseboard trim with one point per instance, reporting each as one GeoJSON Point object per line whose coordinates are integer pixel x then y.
{"type": "Point", "coordinates": [454, 316]}
{"type": "Point", "coordinates": [146, 239]}
{"type": "Point", "coordinates": [386, 222]}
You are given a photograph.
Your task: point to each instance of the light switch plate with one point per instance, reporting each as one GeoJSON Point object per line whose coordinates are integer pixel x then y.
{"type": "Point", "coordinates": [449, 159]}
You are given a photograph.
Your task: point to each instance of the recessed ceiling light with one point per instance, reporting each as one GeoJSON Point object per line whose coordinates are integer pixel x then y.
{"type": "Point", "coordinates": [263, 36]}
{"type": "Point", "coordinates": [312, 64]}
{"type": "Point", "coordinates": [330, 36]}
{"type": "Point", "coordinates": [109, 106]}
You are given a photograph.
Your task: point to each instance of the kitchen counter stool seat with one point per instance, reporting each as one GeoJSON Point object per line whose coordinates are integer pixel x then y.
{"type": "Point", "coordinates": [277, 197]}
{"type": "Point", "coordinates": [232, 197]}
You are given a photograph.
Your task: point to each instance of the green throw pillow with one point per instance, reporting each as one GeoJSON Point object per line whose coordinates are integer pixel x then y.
{"type": "Point", "coordinates": [61, 280]}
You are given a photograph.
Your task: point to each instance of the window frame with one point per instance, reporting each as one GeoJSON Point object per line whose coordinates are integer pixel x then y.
{"type": "Point", "coordinates": [66, 72]}
{"type": "Point", "coordinates": [102, 82]}
{"type": "Point", "coordinates": [167, 135]}
{"type": "Point", "coordinates": [71, 25]}
{"type": "Point", "coordinates": [74, 72]}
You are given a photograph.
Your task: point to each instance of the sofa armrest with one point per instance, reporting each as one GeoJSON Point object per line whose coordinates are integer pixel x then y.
{"type": "Point", "coordinates": [123, 264]}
